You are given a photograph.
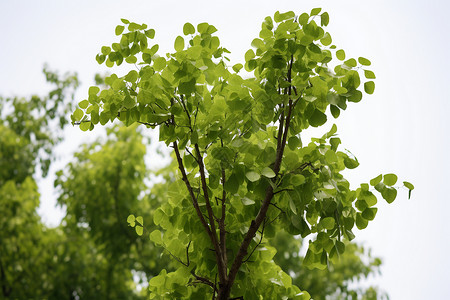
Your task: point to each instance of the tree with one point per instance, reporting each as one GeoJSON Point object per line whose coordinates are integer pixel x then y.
{"type": "Point", "coordinates": [244, 171]}
{"type": "Point", "coordinates": [30, 128]}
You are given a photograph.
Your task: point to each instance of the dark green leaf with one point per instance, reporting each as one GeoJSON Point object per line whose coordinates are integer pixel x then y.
{"type": "Point", "coordinates": [317, 118]}
{"type": "Point", "coordinates": [369, 87]}
{"type": "Point", "coordinates": [324, 19]}
{"type": "Point", "coordinates": [408, 185]}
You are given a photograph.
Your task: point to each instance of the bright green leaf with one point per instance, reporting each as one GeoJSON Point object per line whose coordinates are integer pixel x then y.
{"type": "Point", "coordinates": [119, 29]}
{"type": "Point", "coordinates": [252, 176]}
{"type": "Point", "coordinates": [159, 63]}
{"type": "Point", "coordinates": [83, 104]}
{"type": "Point", "coordinates": [188, 28]}
{"type": "Point", "coordinates": [268, 172]}
{"type": "Point", "coordinates": [237, 67]}
{"type": "Point", "coordinates": [340, 54]}
{"type": "Point", "coordinates": [179, 43]}
{"type": "Point", "coordinates": [364, 61]}
{"type": "Point", "coordinates": [369, 74]}
{"type": "Point", "coordinates": [139, 230]}
{"type": "Point", "coordinates": [316, 11]}
{"type": "Point", "coordinates": [156, 237]}
{"type": "Point", "coordinates": [328, 223]}
{"type": "Point", "coordinates": [390, 179]}
{"type": "Point", "coordinates": [376, 180]}
{"type": "Point", "coordinates": [78, 114]}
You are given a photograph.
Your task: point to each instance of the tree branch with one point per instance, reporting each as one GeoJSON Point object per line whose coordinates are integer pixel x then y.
{"type": "Point", "coordinates": [189, 187]}
{"type": "Point", "coordinates": [222, 268]}
{"type": "Point", "coordinates": [281, 143]}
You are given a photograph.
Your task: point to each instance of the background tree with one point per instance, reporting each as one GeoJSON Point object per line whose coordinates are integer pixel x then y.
{"type": "Point", "coordinates": [242, 163]}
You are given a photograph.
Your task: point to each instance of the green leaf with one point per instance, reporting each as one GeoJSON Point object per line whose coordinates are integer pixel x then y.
{"type": "Point", "coordinates": [252, 176]}
{"type": "Point", "coordinates": [250, 54]}
{"type": "Point", "coordinates": [237, 67]}
{"type": "Point", "coordinates": [140, 220]}
{"type": "Point", "coordinates": [131, 220]}
{"type": "Point", "coordinates": [317, 118]}
{"type": "Point", "coordinates": [129, 102]}
{"type": "Point", "coordinates": [364, 61]}
{"type": "Point", "coordinates": [335, 111]}
{"type": "Point", "coordinates": [247, 201]}
{"type": "Point", "coordinates": [156, 237]}
{"type": "Point", "coordinates": [315, 11]}
{"type": "Point", "coordinates": [150, 33]}
{"type": "Point", "coordinates": [324, 19]}
{"type": "Point", "coordinates": [268, 172]}
{"type": "Point", "coordinates": [408, 185]}
{"type": "Point", "coordinates": [159, 63]}
{"type": "Point", "coordinates": [297, 179]}
{"type": "Point", "coordinates": [303, 19]}
{"type": "Point", "coordinates": [351, 163]}
{"type": "Point", "coordinates": [232, 184]}
{"type": "Point", "coordinates": [119, 29]}
{"type": "Point", "coordinates": [340, 54]}
{"type": "Point", "coordinates": [78, 114]}
{"type": "Point", "coordinates": [369, 213]}
{"type": "Point", "coordinates": [131, 59]}
{"type": "Point", "coordinates": [390, 179]}
{"type": "Point", "coordinates": [351, 63]}
{"type": "Point", "coordinates": [106, 50]}
{"type": "Point", "coordinates": [132, 76]}
{"type": "Point", "coordinates": [361, 223]}
{"type": "Point", "coordinates": [369, 74]}
{"type": "Point", "coordinates": [83, 104]}
{"type": "Point", "coordinates": [187, 87]}
{"type": "Point", "coordinates": [294, 142]}
{"type": "Point", "coordinates": [369, 87]}
{"type": "Point", "coordinates": [93, 90]}
{"type": "Point", "coordinates": [326, 40]}
{"type": "Point", "coordinates": [179, 43]}
{"type": "Point", "coordinates": [376, 180]}
{"type": "Point", "coordinates": [389, 194]}
{"type": "Point", "coordinates": [188, 28]}
{"type": "Point", "coordinates": [85, 126]}
{"type": "Point", "coordinates": [139, 230]}
{"type": "Point", "coordinates": [328, 223]}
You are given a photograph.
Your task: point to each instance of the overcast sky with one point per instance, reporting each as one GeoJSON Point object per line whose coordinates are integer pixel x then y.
{"type": "Point", "coordinates": [402, 128]}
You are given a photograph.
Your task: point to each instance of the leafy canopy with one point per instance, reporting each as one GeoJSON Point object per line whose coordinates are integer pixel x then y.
{"type": "Point", "coordinates": [244, 170]}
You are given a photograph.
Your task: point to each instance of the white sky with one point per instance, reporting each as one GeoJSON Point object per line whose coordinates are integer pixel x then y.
{"type": "Point", "coordinates": [402, 128]}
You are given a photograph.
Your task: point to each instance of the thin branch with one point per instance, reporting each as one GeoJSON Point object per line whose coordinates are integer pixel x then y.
{"type": "Point", "coordinates": [203, 280]}
{"type": "Point", "coordinates": [222, 221]}
{"type": "Point", "coordinates": [259, 243]}
{"type": "Point", "coordinates": [178, 259]}
{"type": "Point", "coordinates": [189, 187]}
{"type": "Point", "coordinates": [219, 256]}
